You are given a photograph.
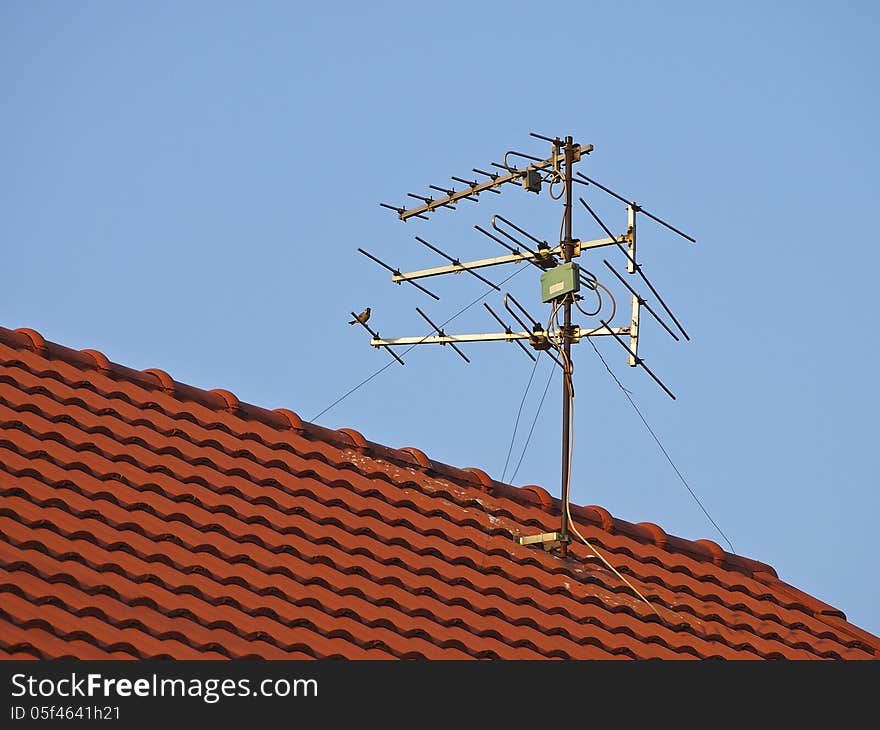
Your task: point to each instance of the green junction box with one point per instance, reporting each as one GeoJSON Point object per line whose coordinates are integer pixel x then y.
{"type": "Point", "coordinates": [559, 281]}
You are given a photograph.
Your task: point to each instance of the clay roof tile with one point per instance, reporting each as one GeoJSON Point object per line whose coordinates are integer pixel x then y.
{"type": "Point", "coordinates": [143, 517]}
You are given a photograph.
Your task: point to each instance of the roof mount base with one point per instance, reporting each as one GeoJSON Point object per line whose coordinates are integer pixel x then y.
{"type": "Point", "coordinates": [548, 540]}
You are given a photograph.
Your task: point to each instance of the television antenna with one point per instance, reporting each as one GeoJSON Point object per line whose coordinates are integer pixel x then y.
{"type": "Point", "coordinates": [561, 279]}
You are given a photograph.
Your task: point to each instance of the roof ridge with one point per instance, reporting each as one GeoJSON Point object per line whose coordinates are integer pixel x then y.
{"type": "Point", "coordinates": [822, 611]}
{"type": "Point", "coordinates": [285, 419]}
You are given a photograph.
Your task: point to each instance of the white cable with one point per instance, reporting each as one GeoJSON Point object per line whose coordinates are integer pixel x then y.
{"type": "Point", "coordinates": [570, 390]}
{"type": "Point", "coordinates": [587, 542]}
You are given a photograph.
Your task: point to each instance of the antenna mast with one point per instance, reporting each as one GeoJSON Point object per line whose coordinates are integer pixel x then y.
{"type": "Point", "coordinates": [567, 251]}
{"type": "Point", "coordinates": [561, 280]}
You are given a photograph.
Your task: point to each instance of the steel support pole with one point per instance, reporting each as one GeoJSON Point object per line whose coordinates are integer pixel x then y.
{"type": "Point", "coordinates": [567, 250]}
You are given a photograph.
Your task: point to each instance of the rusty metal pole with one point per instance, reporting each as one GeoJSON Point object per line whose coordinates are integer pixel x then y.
{"type": "Point", "coordinates": [567, 251]}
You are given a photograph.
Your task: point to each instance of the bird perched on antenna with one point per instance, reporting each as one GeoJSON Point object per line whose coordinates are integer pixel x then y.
{"type": "Point", "coordinates": [362, 317]}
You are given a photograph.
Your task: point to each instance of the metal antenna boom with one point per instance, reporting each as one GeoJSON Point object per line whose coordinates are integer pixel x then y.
{"type": "Point", "coordinates": [441, 333]}
{"type": "Point", "coordinates": [457, 263]}
{"type": "Point", "coordinates": [531, 257]}
{"type": "Point", "coordinates": [376, 337]}
{"type": "Point", "coordinates": [472, 191]}
{"type": "Point", "coordinates": [396, 273]}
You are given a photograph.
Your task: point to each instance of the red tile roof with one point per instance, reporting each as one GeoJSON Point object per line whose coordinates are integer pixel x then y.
{"type": "Point", "coordinates": [140, 517]}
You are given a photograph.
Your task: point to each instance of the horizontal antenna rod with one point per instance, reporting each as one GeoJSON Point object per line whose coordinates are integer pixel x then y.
{"type": "Point", "coordinates": [637, 208]}
{"type": "Point", "coordinates": [478, 264]}
{"type": "Point", "coordinates": [376, 337]}
{"type": "Point", "coordinates": [494, 181]}
{"type": "Point", "coordinates": [531, 254]}
{"type": "Point", "coordinates": [457, 264]}
{"type": "Point", "coordinates": [518, 229]}
{"type": "Point", "coordinates": [396, 273]}
{"type": "Point", "coordinates": [508, 331]}
{"type": "Point", "coordinates": [638, 269]}
{"type": "Point", "coordinates": [637, 359]}
{"type": "Point", "coordinates": [471, 183]}
{"type": "Point", "coordinates": [508, 236]}
{"type": "Point", "coordinates": [442, 335]}
{"type": "Point", "coordinates": [512, 336]}
{"type": "Point", "coordinates": [495, 176]}
{"type": "Point", "coordinates": [429, 199]}
{"type": "Point", "coordinates": [539, 339]}
{"type": "Point", "coordinates": [513, 258]}
{"type": "Point", "coordinates": [641, 300]}
{"type": "Point", "coordinates": [399, 209]}
{"type": "Point", "coordinates": [535, 324]}
{"type": "Point", "coordinates": [553, 140]}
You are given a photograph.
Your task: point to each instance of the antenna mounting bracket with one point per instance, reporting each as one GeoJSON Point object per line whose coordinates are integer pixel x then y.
{"type": "Point", "coordinates": [548, 540]}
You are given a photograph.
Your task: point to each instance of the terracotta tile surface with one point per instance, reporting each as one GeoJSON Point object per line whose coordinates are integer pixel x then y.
{"type": "Point", "coordinates": [141, 517]}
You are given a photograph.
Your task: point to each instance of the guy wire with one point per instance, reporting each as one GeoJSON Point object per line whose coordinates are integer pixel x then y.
{"type": "Point", "coordinates": [518, 414]}
{"type": "Point", "coordinates": [390, 363]}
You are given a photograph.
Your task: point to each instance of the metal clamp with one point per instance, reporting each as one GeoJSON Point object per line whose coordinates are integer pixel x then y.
{"type": "Point", "coordinates": [547, 540]}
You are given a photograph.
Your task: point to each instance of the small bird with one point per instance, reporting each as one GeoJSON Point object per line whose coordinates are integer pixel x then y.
{"type": "Point", "coordinates": [362, 317]}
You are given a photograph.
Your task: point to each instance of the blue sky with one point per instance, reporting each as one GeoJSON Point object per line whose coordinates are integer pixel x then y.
{"type": "Point", "coordinates": [185, 186]}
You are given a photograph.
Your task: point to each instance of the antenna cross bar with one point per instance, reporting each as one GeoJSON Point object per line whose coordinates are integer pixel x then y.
{"type": "Point", "coordinates": [578, 334]}
{"type": "Point", "coordinates": [514, 258]}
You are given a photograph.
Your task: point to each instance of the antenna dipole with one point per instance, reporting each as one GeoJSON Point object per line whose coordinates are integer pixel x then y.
{"type": "Point", "coordinates": [561, 280]}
